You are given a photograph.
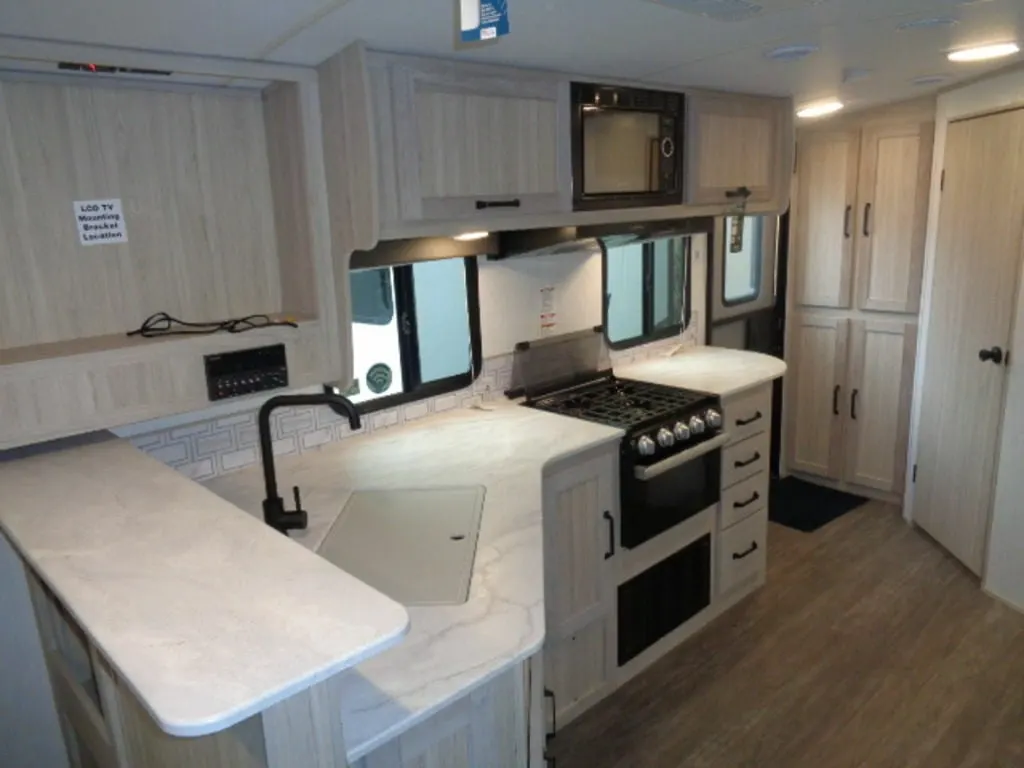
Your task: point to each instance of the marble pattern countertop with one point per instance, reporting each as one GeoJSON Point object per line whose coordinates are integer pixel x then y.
{"type": "Point", "coordinates": [723, 372]}
{"type": "Point", "coordinates": [449, 649]}
{"type": "Point", "coordinates": [208, 617]}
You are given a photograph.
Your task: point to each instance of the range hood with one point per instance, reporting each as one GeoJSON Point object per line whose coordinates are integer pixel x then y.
{"type": "Point", "coordinates": [546, 242]}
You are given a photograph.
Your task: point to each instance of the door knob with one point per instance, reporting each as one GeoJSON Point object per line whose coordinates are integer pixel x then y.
{"type": "Point", "coordinates": [994, 355]}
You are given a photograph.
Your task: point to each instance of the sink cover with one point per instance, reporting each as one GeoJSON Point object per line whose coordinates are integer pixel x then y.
{"type": "Point", "coordinates": [417, 546]}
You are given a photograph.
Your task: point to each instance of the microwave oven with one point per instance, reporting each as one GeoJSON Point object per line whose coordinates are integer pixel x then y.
{"type": "Point", "coordinates": [627, 147]}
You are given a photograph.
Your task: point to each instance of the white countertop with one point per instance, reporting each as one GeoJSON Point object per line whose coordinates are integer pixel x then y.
{"type": "Point", "coordinates": [449, 649]}
{"type": "Point", "coordinates": [207, 616]}
{"type": "Point", "coordinates": [723, 372]}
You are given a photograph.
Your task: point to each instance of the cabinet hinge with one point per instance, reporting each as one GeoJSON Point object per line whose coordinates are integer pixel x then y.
{"type": "Point", "coordinates": [913, 479]}
{"type": "Point", "coordinates": [942, 181]}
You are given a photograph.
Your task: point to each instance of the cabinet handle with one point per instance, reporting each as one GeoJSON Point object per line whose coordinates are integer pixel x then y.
{"type": "Point", "coordinates": [751, 420]}
{"type": "Point", "coordinates": [482, 204]}
{"type": "Point", "coordinates": [741, 193]}
{"type": "Point", "coordinates": [835, 401]}
{"type": "Point", "coordinates": [739, 464]}
{"type": "Point", "coordinates": [549, 694]}
{"type": "Point", "coordinates": [867, 219]}
{"type": "Point", "coordinates": [745, 553]}
{"type": "Point", "coordinates": [748, 502]}
{"type": "Point", "coordinates": [846, 222]}
{"type": "Point", "coordinates": [611, 535]}
{"type": "Point", "coordinates": [853, 404]}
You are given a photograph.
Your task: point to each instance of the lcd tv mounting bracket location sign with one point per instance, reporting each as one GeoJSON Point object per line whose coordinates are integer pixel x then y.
{"type": "Point", "coordinates": [483, 19]}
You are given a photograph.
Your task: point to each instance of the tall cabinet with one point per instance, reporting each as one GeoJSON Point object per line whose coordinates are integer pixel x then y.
{"type": "Point", "coordinates": [856, 254]}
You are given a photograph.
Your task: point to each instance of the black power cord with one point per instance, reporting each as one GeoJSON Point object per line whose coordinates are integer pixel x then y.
{"type": "Point", "coordinates": [163, 324]}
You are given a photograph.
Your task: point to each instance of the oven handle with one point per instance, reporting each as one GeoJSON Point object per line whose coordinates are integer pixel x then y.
{"type": "Point", "coordinates": [648, 473]}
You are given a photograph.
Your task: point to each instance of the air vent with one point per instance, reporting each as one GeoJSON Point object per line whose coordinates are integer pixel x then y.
{"type": "Point", "coordinates": [791, 52]}
{"type": "Point", "coordinates": [929, 79]}
{"type": "Point", "coordinates": [106, 69]}
{"type": "Point", "coordinates": [853, 74]}
{"type": "Point", "coordinates": [719, 10]}
{"type": "Point", "coordinates": [938, 21]}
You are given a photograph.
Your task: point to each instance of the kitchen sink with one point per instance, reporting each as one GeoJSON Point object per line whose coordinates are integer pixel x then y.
{"type": "Point", "coordinates": [417, 546]}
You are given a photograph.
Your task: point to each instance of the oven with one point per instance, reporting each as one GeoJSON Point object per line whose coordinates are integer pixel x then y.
{"type": "Point", "coordinates": [658, 496]}
{"type": "Point", "coordinates": [627, 147]}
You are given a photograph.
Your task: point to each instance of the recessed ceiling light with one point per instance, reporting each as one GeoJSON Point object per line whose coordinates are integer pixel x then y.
{"type": "Point", "coordinates": [791, 52]}
{"type": "Point", "coordinates": [851, 74]}
{"type": "Point", "coordinates": [937, 21]}
{"type": "Point", "coordinates": [467, 236]}
{"type": "Point", "coordinates": [929, 79]}
{"type": "Point", "coordinates": [985, 52]}
{"type": "Point", "coordinates": [820, 109]}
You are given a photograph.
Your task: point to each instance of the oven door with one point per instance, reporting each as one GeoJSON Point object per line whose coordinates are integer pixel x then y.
{"type": "Point", "coordinates": [662, 495]}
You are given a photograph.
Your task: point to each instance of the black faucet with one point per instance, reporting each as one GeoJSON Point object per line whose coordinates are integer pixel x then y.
{"type": "Point", "coordinates": [274, 513]}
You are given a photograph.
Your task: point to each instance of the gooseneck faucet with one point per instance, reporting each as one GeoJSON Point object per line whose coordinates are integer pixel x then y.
{"type": "Point", "coordinates": [274, 513]}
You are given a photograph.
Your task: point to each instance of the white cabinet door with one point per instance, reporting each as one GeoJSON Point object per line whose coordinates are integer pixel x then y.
{"type": "Point", "coordinates": [737, 141]}
{"type": "Point", "coordinates": [881, 379]}
{"type": "Point", "coordinates": [467, 143]}
{"type": "Point", "coordinates": [892, 204]}
{"type": "Point", "coordinates": [815, 392]}
{"type": "Point", "coordinates": [823, 219]}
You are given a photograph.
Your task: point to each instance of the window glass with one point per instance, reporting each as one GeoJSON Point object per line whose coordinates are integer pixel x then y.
{"type": "Point", "coordinates": [743, 259]}
{"type": "Point", "coordinates": [415, 331]}
{"type": "Point", "coordinates": [646, 290]}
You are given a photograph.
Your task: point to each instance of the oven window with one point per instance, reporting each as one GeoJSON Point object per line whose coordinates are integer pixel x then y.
{"type": "Point", "coordinates": [620, 150]}
{"type": "Point", "coordinates": [647, 291]}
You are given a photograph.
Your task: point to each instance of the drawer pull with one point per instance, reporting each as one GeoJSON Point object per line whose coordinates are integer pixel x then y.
{"type": "Point", "coordinates": [610, 553]}
{"type": "Point", "coordinates": [748, 502]}
{"type": "Point", "coordinates": [748, 462]}
{"type": "Point", "coordinates": [745, 553]}
{"type": "Point", "coordinates": [751, 420]}
{"type": "Point", "coordinates": [483, 204]}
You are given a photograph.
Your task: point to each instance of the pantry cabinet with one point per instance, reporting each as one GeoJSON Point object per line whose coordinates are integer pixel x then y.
{"type": "Point", "coordinates": [849, 399]}
{"type": "Point", "coordinates": [462, 142]}
{"type": "Point", "coordinates": [735, 142]}
{"type": "Point", "coordinates": [580, 543]}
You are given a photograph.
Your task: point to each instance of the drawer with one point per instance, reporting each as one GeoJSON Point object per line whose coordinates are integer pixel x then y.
{"type": "Point", "coordinates": [744, 499]}
{"type": "Point", "coordinates": [748, 413]}
{"type": "Point", "coordinates": [742, 551]}
{"type": "Point", "coordinates": [746, 459]}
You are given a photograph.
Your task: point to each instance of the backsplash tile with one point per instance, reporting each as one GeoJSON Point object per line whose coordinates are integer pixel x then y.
{"type": "Point", "coordinates": [217, 446]}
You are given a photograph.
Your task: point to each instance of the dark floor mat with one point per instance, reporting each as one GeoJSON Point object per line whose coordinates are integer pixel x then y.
{"type": "Point", "coordinates": [807, 507]}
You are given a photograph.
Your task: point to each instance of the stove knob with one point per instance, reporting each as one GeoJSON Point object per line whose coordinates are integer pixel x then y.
{"type": "Point", "coordinates": [681, 431]}
{"type": "Point", "coordinates": [696, 425]}
{"type": "Point", "coordinates": [713, 418]}
{"type": "Point", "coordinates": [645, 446]}
{"type": "Point", "coordinates": [665, 438]}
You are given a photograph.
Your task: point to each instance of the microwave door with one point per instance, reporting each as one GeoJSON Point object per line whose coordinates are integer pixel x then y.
{"type": "Point", "coordinates": [621, 152]}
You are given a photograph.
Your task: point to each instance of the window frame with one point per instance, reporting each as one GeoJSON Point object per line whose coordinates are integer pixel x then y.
{"type": "Point", "coordinates": [405, 312]}
{"type": "Point", "coordinates": [648, 333]}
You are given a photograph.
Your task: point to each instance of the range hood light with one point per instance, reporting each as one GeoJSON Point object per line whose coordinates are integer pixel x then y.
{"type": "Point", "coordinates": [468, 236]}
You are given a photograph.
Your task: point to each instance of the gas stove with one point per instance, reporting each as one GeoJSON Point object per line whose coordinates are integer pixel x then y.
{"type": "Point", "coordinates": [660, 421]}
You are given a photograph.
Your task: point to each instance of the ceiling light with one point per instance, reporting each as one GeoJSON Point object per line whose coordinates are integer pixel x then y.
{"type": "Point", "coordinates": [791, 52]}
{"type": "Point", "coordinates": [820, 109]}
{"type": "Point", "coordinates": [985, 52]}
{"type": "Point", "coordinates": [938, 21]}
{"type": "Point", "coordinates": [467, 236]}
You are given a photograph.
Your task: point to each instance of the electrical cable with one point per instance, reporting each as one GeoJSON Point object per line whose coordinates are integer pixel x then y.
{"type": "Point", "coordinates": [163, 324]}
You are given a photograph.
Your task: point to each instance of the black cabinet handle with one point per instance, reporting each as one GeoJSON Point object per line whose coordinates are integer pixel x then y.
{"type": "Point", "coordinates": [751, 420]}
{"type": "Point", "coordinates": [846, 222]}
{"type": "Point", "coordinates": [549, 694]}
{"type": "Point", "coordinates": [994, 355]}
{"type": "Point", "coordinates": [835, 401]}
{"type": "Point", "coordinates": [748, 502]}
{"type": "Point", "coordinates": [482, 204]}
{"type": "Point", "coordinates": [611, 535]}
{"type": "Point", "coordinates": [853, 404]}
{"type": "Point", "coordinates": [745, 553]}
{"type": "Point", "coordinates": [747, 463]}
{"type": "Point", "coordinates": [867, 219]}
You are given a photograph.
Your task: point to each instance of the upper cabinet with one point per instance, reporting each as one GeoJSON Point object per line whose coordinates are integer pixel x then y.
{"type": "Point", "coordinates": [468, 143]}
{"type": "Point", "coordinates": [737, 142]}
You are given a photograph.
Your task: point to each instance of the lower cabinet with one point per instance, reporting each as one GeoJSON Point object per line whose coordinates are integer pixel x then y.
{"type": "Point", "coordinates": [849, 397]}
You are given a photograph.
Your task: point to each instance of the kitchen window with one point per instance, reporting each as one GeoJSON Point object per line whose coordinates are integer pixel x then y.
{"type": "Point", "coordinates": [646, 290]}
{"type": "Point", "coordinates": [415, 332]}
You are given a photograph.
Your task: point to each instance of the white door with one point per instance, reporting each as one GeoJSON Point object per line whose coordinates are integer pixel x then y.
{"type": "Point", "coordinates": [816, 392]}
{"type": "Point", "coordinates": [978, 251]}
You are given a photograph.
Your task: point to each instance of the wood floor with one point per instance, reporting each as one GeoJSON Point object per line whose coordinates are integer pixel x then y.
{"type": "Point", "coordinates": [869, 646]}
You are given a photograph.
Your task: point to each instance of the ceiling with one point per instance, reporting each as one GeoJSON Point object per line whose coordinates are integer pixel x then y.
{"type": "Point", "coordinates": [863, 57]}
